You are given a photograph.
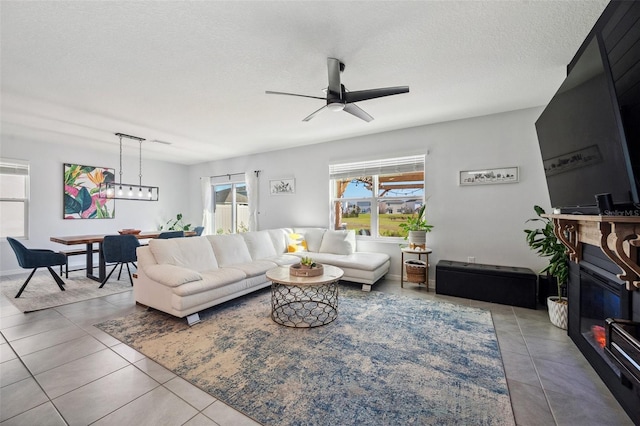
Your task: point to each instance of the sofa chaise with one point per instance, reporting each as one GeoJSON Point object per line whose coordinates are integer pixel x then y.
{"type": "Point", "coordinates": [182, 276]}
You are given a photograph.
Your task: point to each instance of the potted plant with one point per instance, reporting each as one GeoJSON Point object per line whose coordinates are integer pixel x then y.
{"type": "Point", "coordinates": [416, 228]}
{"type": "Point", "coordinates": [176, 224]}
{"type": "Point", "coordinates": [307, 263]}
{"type": "Point", "coordinates": [546, 244]}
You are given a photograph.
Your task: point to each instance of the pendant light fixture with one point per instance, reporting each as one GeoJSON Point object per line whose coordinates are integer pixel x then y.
{"type": "Point", "coordinates": [128, 191]}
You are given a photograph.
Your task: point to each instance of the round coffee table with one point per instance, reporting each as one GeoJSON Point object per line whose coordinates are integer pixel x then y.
{"type": "Point", "coordinates": [304, 301]}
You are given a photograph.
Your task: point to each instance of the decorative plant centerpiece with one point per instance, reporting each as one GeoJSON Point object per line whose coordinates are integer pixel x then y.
{"type": "Point", "coordinates": [546, 244]}
{"type": "Point", "coordinates": [306, 268]}
{"type": "Point", "coordinates": [176, 224]}
{"type": "Point", "coordinates": [307, 263]}
{"type": "Point", "coordinates": [416, 227]}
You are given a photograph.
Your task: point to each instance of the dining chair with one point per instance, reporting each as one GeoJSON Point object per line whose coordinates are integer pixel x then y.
{"type": "Point", "coordinates": [37, 258]}
{"type": "Point", "coordinates": [121, 250]}
{"type": "Point", "coordinates": [171, 234]}
{"type": "Point", "coordinates": [198, 230]}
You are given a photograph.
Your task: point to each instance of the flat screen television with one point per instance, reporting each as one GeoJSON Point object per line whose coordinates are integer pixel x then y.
{"type": "Point", "coordinates": [582, 141]}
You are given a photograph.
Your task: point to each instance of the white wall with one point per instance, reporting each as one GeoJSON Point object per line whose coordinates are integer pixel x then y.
{"type": "Point", "coordinates": [46, 188]}
{"type": "Point", "coordinates": [485, 222]}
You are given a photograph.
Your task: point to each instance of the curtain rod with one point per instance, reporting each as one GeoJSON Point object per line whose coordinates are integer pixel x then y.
{"type": "Point", "coordinates": [257, 172]}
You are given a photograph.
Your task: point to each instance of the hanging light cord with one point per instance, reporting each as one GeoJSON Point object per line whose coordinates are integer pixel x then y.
{"type": "Point", "coordinates": [120, 160]}
{"type": "Point", "coordinates": [140, 156]}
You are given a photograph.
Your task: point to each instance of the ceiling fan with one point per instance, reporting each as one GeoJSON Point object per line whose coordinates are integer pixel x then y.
{"type": "Point", "coordinates": [339, 99]}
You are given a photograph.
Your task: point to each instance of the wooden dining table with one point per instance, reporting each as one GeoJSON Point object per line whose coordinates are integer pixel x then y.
{"type": "Point", "coordinates": [90, 240]}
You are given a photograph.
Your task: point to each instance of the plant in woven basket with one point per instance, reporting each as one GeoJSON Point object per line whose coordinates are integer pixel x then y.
{"type": "Point", "coordinates": [307, 262]}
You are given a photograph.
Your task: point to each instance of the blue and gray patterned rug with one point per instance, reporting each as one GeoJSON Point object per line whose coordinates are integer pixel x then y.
{"type": "Point", "coordinates": [386, 360]}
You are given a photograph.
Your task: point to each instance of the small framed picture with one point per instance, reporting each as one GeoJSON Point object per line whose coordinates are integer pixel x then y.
{"type": "Point", "coordinates": [489, 176]}
{"type": "Point", "coordinates": [282, 186]}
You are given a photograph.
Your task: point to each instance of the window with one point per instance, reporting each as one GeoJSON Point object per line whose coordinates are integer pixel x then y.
{"type": "Point", "coordinates": [231, 208]}
{"type": "Point", "coordinates": [14, 198]}
{"type": "Point", "coordinates": [375, 197]}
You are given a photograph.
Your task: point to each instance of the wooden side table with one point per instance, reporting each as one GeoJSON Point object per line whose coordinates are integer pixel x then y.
{"type": "Point", "coordinates": [419, 252]}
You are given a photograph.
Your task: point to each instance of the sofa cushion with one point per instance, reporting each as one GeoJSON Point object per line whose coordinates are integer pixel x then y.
{"type": "Point", "coordinates": [358, 260]}
{"type": "Point", "coordinates": [254, 268]}
{"type": "Point", "coordinates": [191, 253]}
{"type": "Point", "coordinates": [313, 237]}
{"type": "Point", "coordinates": [210, 280]}
{"type": "Point", "coordinates": [279, 238]}
{"type": "Point", "coordinates": [171, 275]}
{"type": "Point", "coordinates": [296, 243]}
{"type": "Point", "coordinates": [338, 242]}
{"type": "Point", "coordinates": [229, 249]}
{"type": "Point", "coordinates": [259, 244]}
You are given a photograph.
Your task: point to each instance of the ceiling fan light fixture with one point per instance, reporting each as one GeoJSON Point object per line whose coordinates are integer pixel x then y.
{"type": "Point", "coordinates": [335, 106]}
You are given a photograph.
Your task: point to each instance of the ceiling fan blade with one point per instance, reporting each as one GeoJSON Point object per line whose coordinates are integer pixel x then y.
{"type": "Point", "coordinates": [269, 92]}
{"type": "Point", "coordinates": [333, 65]}
{"type": "Point", "coordinates": [313, 114]}
{"type": "Point", "coordinates": [363, 95]}
{"type": "Point", "coordinates": [353, 109]}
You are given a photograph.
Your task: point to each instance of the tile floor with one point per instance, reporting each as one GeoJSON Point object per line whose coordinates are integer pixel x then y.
{"type": "Point", "coordinates": [57, 369]}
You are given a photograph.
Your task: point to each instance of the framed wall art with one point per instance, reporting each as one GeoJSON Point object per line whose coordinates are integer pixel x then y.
{"type": "Point", "coordinates": [489, 176]}
{"type": "Point", "coordinates": [80, 195]}
{"type": "Point", "coordinates": [282, 186]}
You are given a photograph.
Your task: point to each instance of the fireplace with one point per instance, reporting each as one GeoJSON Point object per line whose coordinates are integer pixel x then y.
{"type": "Point", "coordinates": [596, 295]}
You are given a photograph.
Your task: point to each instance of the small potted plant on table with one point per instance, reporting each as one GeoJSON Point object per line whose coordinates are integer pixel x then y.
{"type": "Point", "coordinates": [416, 228]}
{"type": "Point", "coordinates": [544, 241]}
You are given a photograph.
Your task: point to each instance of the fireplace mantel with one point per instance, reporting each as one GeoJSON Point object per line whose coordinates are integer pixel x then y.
{"type": "Point", "coordinates": [617, 236]}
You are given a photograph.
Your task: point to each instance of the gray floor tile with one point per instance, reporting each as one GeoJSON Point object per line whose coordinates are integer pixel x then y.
{"type": "Point", "coordinates": [6, 352]}
{"type": "Point", "coordinates": [127, 352]}
{"type": "Point", "coordinates": [75, 374]}
{"type": "Point", "coordinates": [101, 397]}
{"type": "Point", "coordinates": [155, 370]}
{"type": "Point", "coordinates": [103, 337]}
{"type": "Point", "coordinates": [590, 411]}
{"type": "Point", "coordinates": [42, 415]}
{"type": "Point", "coordinates": [158, 407]}
{"type": "Point", "coordinates": [19, 397]}
{"type": "Point", "coordinates": [20, 318]}
{"type": "Point", "coordinates": [34, 327]}
{"type": "Point", "coordinates": [63, 353]}
{"type": "Point", "coordinates": [192, 394]}
{"type": "Point", "coordinates": [47, 339]}
{"type": "Point", "coordinates": [200, 420]}
{"type": "Point", "coordinates": [12, 371]}
{"type": "Point", "coordinates": [530, 406]}
{"type": "Point", "coordinates": [520, 368]}
{"type": "Point", "coordinates": [224, 415]}
{"type": "Point", "coordinates": [576, 380]}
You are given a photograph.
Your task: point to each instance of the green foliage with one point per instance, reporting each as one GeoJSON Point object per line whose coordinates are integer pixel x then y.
{"type": "Point", "coordinates": [416, 222]}
{"type": "Point", "coordinates": [176, 224]}
{"type": "Point", "coordinates": [546, 244]}
{"type": "Point", "coordinates": [307, 261]}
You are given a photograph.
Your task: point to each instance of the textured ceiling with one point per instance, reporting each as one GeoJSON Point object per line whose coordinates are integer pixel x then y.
{"type": "Point", "coordinates": [194, 73]}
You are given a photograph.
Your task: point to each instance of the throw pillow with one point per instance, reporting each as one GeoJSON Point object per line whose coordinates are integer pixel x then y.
{"type": "Point", "coordinates": [338, 242]}
{"type": "Point", "coordinates": [296, 243]}
{"type": "Point", "coordinates": [313, 237]}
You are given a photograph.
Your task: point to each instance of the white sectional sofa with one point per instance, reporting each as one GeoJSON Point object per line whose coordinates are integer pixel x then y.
{"type": "Point", "coordinates": [182, 276]}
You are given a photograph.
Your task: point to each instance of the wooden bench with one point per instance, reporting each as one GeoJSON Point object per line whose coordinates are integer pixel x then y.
{"type": "Point", "coordinates": [69, 253]}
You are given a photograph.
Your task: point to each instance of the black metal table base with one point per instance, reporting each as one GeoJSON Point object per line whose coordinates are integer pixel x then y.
{"type": "Point", "coordinates": [304, 306]}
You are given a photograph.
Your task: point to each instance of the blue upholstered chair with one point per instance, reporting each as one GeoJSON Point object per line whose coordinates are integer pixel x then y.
{"type": "Point", "coordinates": [198, 230]}
{"type": "Point", "coordinates": [171, 234]}
{"type": "Point", "coordinates": [34, 258]}
{"type": "Point", "coordinates": [121, 250]}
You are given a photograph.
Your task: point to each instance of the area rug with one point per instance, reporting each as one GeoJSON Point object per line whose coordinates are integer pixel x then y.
{"type": "Point", "coordinates": [42, 292]}
{"type": "Point", "coordinates": [386, 360]}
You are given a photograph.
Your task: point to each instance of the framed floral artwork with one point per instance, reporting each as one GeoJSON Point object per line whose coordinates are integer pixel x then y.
{"type": "Point", "coordinates": [282, 186]}
{"type": "Point", "coordinates": [81, 186]}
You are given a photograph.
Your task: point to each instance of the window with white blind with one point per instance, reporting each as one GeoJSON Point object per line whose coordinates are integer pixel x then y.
{"type": "Point", "coordinates": [375, 197]}
{"type": "Point", "coordinates": [14, 198]}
